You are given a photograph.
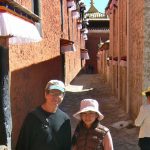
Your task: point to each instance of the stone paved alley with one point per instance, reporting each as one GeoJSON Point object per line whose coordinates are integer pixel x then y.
{"type": "Point", "coordinates": [93, 86]}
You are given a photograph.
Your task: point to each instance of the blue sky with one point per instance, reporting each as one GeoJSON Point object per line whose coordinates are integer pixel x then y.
{"type": "Point", "coordinates": [99, 4]}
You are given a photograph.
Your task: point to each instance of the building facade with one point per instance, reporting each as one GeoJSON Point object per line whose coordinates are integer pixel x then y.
{"type": "Point", "coordinates": [129, 51]}
{"type": "Point", "coordinates": [98, 32]}
{"type": "Point", "coordinates": [42, 41]}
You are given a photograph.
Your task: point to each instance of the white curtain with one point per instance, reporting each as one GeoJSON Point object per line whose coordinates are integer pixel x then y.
{"type": "Point", "coordinates": [68, 47]}
{"type": "Point", "coordinates": [21, 30]}
{"type": "Point", "coordinates": [85, 55]}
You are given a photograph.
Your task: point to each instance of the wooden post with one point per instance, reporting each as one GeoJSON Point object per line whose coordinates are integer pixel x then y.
{"type": "Point", "coordinates": [5, 107]}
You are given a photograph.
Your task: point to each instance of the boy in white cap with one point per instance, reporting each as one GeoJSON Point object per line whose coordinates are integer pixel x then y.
{"type": "Point", "coordinates": [143, 121]}
{"type": "Point", "coordinates": [89, 133]}
{"type": "Point", "coordinates": [47, 127]}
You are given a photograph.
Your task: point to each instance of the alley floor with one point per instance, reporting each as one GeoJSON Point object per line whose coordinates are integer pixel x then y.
{"type": "Point", "coordinates": [124, 134]}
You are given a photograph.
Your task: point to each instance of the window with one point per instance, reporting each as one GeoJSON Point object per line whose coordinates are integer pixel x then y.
{"type": "Point", "coordinates": [36, 8]}
{"type": "Point", "coordinates": [61, 14]}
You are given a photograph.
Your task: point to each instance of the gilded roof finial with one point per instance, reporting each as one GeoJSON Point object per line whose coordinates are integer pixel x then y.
{"type": "Point", "coordinates": [92, 8]}
{"type": "Point", "coordinates": [92, 2]}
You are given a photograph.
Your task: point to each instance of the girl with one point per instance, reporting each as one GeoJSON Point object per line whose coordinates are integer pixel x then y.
{"type": "Point", "coordinates": [89, 133]}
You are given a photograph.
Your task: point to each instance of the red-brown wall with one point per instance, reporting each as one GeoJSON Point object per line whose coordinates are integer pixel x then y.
{"type": "Point", "coordinates": [92, 46]}
{"type": "Point", "coordinates": [127, 38]}
{"type": "Point", "coordinates": [33, 65]}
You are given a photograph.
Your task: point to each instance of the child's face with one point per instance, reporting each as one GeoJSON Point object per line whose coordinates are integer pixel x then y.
{"type": "Point", "coordinates": [89, 117]}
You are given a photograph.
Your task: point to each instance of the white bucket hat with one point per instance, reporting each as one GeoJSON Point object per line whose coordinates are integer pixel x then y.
{"type": "Point", "coordinates": [89, 105]}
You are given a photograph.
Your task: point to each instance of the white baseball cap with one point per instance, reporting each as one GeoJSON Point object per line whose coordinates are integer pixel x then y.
{"type": "Point", "coordinates": [55, 85]}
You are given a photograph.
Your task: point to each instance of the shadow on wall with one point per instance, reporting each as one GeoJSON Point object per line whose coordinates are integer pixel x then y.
{"type": "Point", "coordinates": [27, 89]}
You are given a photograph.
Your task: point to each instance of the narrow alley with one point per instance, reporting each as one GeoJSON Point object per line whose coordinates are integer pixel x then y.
{"type": "Point", "coordinates": [124, 134]}
{"type": "Point", "coordinates": [42, 40]}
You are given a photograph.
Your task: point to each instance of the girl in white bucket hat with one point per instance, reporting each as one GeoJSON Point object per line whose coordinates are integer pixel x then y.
{"type": "Point", "coordinates": [89, 133]}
